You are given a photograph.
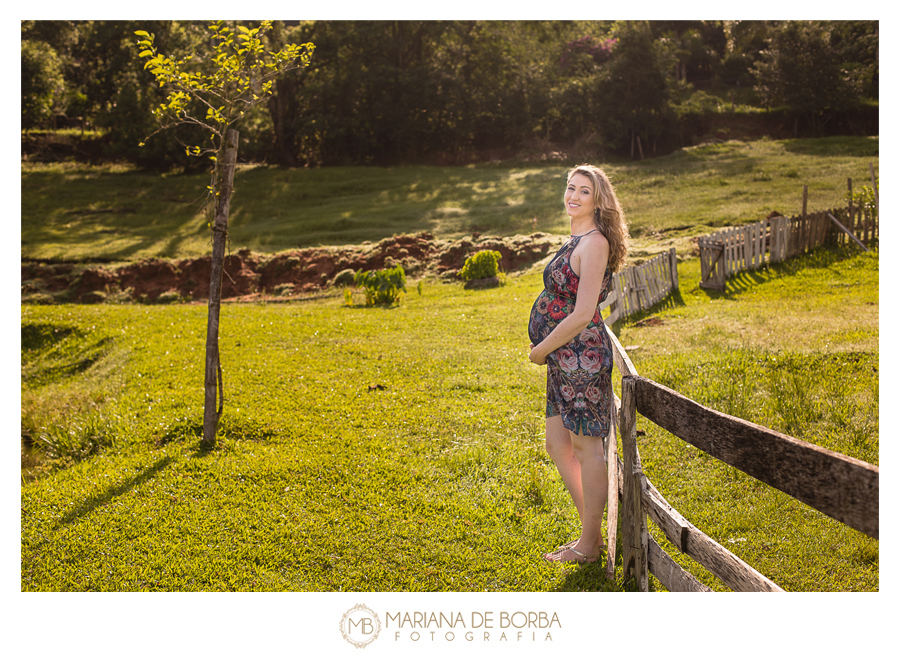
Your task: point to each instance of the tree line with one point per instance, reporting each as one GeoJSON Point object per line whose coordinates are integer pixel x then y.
{"type": "Point", "coordinates": [392, 92]}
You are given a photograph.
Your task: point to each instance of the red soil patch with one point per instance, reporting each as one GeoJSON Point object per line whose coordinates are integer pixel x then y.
{"type": "Point", "coordinates": [305, 270]}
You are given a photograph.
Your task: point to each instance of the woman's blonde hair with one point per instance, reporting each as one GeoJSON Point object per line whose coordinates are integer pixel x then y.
{"type": "Point", "coordinates": [608, 217]}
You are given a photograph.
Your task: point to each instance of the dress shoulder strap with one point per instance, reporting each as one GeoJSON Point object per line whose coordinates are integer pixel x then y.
{"type": "Point", "coordinates": [573, 240]}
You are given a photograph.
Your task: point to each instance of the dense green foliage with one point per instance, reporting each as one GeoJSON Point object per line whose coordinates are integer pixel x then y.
{"type": "Point", "coordinates": [75, 212]}
{"type": "Point", "coordinates": [372, 449]}
{"type": "Point", "coordinates": [382, 287]}
{"type": "Point", "coordinates": [392, 92]}
{"type": "Point", "coordinates": [481, 265]}
{"type": "Point", "coordinates": [42, 83]}
{"type": "Point", "coordinates": [803, 71]}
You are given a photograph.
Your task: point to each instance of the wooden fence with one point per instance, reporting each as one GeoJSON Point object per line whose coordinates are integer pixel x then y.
{"type": "Point", "coordinates": [639, 287]}
{"type": "Point", "coordinates": [841, 487]}
{"type": "Point", "coordinates": [776, 239]}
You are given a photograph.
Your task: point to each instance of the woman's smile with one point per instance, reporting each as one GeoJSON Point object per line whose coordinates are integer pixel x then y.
{"type": "Point", "coordinates": [579, 197]}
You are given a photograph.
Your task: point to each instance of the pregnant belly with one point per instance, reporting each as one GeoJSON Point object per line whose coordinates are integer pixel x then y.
{"type": "Point", "coordinates": [547, 312]}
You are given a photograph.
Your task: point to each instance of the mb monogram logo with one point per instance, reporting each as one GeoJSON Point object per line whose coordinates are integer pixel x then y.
{"type": "Point", "coordinates": [360, 626]}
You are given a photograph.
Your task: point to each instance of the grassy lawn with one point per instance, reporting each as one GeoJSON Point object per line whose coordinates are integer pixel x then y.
{"type": "Point", "coordinates": [437, 479]}
{"type": "Point", "coordinates": [73, 211]}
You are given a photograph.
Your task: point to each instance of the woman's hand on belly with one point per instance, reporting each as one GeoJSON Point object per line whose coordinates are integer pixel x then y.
{"type": "Point", "coordinates": [536, 356]}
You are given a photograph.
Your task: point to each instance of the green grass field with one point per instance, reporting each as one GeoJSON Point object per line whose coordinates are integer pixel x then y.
{"type": "Point", "coordinates": [75, 212]}
{"type": "Point", "coordinates": [373, 449]}
{"type": "Point", "coordinates": [439, 481]}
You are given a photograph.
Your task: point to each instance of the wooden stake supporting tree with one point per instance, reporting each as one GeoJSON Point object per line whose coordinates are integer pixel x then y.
{"type": "Point", "coordinates": [214, 91]}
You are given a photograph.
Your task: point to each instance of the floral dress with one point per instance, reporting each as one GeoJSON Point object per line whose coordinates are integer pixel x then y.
{"type": "Point", "coordinates": [579, 374]}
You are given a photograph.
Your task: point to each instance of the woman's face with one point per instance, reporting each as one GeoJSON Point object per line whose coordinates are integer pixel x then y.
{"type": "Point", "coordinates": [579, 197]}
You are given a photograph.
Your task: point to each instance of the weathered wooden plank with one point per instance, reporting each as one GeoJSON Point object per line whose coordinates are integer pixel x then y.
{"type": "Point", "coordinates": [633, 300]}
{"type": "Point", "coordinates": [748, 247]}
{"type": "Point", "coordinates": [729, 568]}
{"type": "Point", "coordinates": [612, 498]}
{"type": "Point", "coordinates": [714, 253]}
{"type": "Point", "coordinates": [635, 537]}
{"type": "Point", "coordinates": [612, 303]}
{"type": "Point", "coordinates": [842, 487]}
{"type": "Point", "coordinates": [844, 229]}
{"type": "Point", "coordinates": [874, 185]}
{"type": "Point", "coordinates": [730, 253]}
{"type": "Point", "coordinates": [776, 245]}
{"type": "Point", "coordinates": [645, 284]}
{"type": "Point", "coordinates": [850, 204]}
{"type": "Point", "coordinates": [761, 243]}
{"type": "Point", "coordinates": [670, 573]}
{"type": "Point", "coordinates": [620, 356]}
{"type": "Point", "coordinates": [657, 279]}
{"type": "Point", "coordinates": [652, 275]}
{"type": "Point", "coordinates": [673, 268]}
{"type": "Point", "coordinates": [773, 239]}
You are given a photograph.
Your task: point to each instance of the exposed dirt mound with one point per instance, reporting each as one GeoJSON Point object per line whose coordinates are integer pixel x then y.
{"type": "Point", "coordinates": [302, 271]}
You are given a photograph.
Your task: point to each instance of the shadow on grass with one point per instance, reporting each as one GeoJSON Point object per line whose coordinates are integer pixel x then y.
{"type": "Point", "coordinates": [822, 258]}
{"type": "Point", "coordinates": [592, 577]}
{"type": "Point", "coordinates": [834, 146]}
{"type": "Point", "coordinates": [44, 335]}
{"type": "Point", "coordinates": [674, 300]}
{"type": "Point", "coordinates": [105, 497]}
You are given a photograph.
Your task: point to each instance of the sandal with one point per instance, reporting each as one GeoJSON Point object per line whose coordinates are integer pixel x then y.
{"type": "Point", "coordinates": [552, 555]}
{"type": "Point", "coordinates": [580, 559]}
{"type": "Point", "coordinates": [559, 549]}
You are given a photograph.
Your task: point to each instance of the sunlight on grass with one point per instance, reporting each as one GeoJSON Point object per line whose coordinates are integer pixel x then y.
{"type": "Point", "coordinates": [75, 212]}
{"type": "Point", "coordinates": [436, 479]}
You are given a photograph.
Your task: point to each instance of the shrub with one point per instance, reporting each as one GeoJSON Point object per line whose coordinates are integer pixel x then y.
{"type": "Point", "coordinates": [169, 297]}
{"type": "Point", "coordinates": [481, 265]}
{"type": "Point", "coordinates": [864, 197]}
{"type": "Point", "coordinates": [382, 286]}
{"type": "Point", "coordinates": [94, 297]}
{"type": "Point", "coordinates": [284, 289]}
{"type": "Point", "coordinates": [344, 277]}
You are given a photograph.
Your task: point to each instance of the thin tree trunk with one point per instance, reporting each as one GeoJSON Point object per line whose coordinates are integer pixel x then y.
{"type": "Point", "coordinates": [213, 377]}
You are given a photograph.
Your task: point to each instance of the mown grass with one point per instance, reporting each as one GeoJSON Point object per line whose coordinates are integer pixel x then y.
{"type": "Point", "coordinates": [437, 480]}
{"type": "Point", "coordinates": [73, 211]}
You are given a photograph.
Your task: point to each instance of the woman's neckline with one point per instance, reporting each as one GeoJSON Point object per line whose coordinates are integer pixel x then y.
{"type": "Point", "coordinates": [583, 234]}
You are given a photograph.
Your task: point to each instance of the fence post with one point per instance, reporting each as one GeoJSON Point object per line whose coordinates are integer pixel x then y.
{"type": "Point", "coordinates": [612, 499]}
{"type": "Point", "coordinates": [805, 194]}
{"type": "Point", "coordinates": [852, 226]}
{"type": "Point", "coordinates": [874, 186]}
{"type": "Point", "coordinates": [673, 269]}
{"type": "Point", "coordinates": [635, 537]}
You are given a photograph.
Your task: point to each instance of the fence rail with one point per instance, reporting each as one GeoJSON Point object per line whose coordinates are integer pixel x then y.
{"type": "Point", "coordinates": [840, 486]}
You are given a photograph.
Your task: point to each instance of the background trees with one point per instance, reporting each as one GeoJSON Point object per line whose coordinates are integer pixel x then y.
{"type": "Point", "coordinates": [802, 71]}
{"type": "Point", "coordinates": [390, 92]}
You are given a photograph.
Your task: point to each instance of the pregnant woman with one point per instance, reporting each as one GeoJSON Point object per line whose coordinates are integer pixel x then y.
{"type": "Point", "coordinates": [567, 335]}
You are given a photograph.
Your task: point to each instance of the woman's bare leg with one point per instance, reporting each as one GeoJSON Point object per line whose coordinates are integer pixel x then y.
{"type": "Point", "coordinates": [572, 454]}
{"type": "Point", "coordinates": [559, 447]}
{"type": "Point", "coordinates": [594, 482]}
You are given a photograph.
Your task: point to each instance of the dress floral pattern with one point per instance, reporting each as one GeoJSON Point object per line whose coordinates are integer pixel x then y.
{"type": "Point", "coordinates": [579, 374]}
